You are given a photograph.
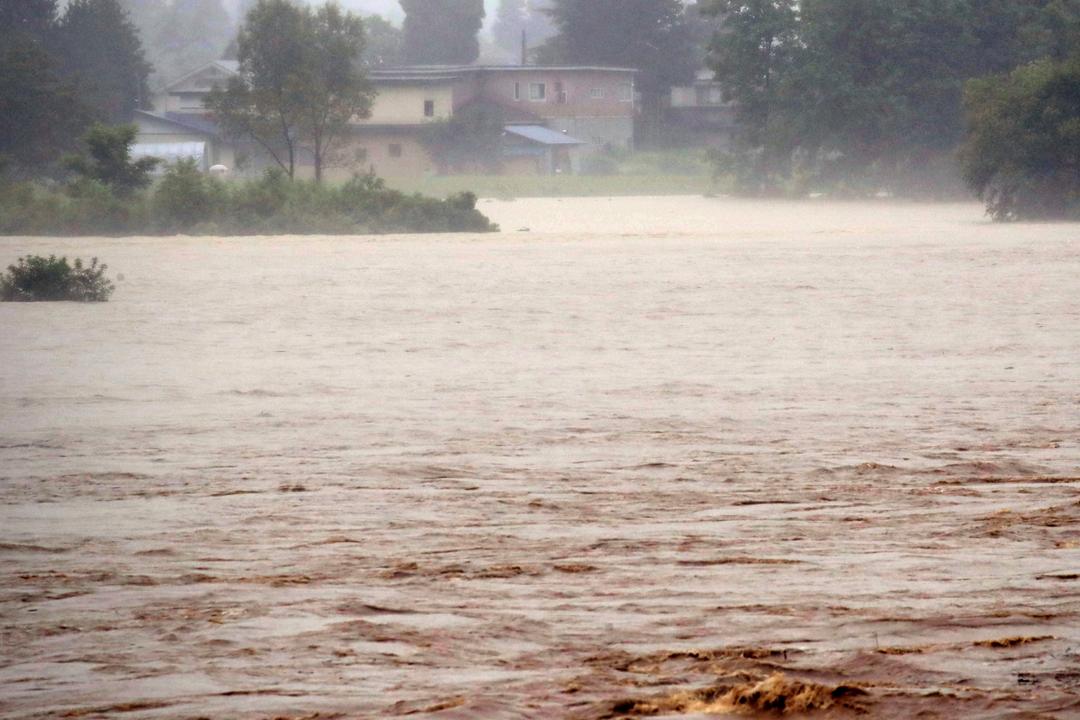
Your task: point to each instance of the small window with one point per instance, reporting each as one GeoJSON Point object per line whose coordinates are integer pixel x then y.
{"type": "Point", "coordinates": [560, 93]}
{"type": "Point", "coordinates": [517, 91]}
{"type": "Point", "coordinates": [537, 91]}
{"type": "Point", "coordinates": [626, 92]}
{"type": "Point", "coordinates": [395, 150]}
{"type": "Point", "coordinates": [597, 93]}
{"type": "Point", "coordinates": [429, 108]}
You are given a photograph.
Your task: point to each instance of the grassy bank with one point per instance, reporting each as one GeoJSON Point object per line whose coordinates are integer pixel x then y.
{"type": "Point", "coordinates": [515, 186]}
{"type": "Point", "coordinates": [616, 172]}
{"type": "Point", "coordinates": [188, 202]}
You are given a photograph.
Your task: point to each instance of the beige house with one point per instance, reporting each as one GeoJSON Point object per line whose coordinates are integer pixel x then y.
{"type": "Point", "coordinates": [554, 118]}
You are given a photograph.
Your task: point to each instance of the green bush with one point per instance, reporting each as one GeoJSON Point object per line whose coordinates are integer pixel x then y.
{"type": "Point", "coordinates": [37, 278]}
{"type": "Point", "coordinates": [184, 197]}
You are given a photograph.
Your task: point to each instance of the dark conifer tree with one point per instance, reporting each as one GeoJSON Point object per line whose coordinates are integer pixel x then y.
{"type": "Point", "coordinates": [442, 32]}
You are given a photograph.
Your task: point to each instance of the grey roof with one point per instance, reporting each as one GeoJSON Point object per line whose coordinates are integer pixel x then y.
{"type": "Point", "coordinates": [194, 123]}
{"type": "Point", "coordinates": [542, 135]}
{"type": "Point", "coordinates": [451, 72]}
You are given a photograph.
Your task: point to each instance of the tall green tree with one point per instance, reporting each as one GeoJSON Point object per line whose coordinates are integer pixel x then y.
{"type": "Point", "coordinates": [40, 114]}
{"type": "Point", "coordinates": [1022, 151]}
{"type": "Point", "coordinates": [442, 32]}
{"type": "Point", "coordinates": [300, 81]}
{"type": "Point", "coordinates": [99, 50]}
{"type": "Point", "coordinates": [336, 89]}
{"type": "Point", "coordinates": [753, 55]}
{"type": "Point", "coordinates": [27, 18]}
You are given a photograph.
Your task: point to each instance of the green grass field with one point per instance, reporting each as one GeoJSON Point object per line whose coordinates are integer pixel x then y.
{"type": "Point", "coordinates": [514, 186]}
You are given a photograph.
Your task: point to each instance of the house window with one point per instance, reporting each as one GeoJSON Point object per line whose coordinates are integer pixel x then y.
{"type": "Point", "coordinates": [429, 108]}
{"type": "Point", "coordinates": [395, 150]}
{"type": "Point", "coordinates": [537, 91]}
{"type": "Point", "coordinates": [626, 92]}
{"type": "Point", "coordinates": [517, 91]}
{"type": "Point", "coordinates": [560, 93]}
{"type": "Point", "coordinates": [597, 93]}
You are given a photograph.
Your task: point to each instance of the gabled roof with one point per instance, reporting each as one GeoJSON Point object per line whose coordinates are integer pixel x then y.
{"type": "Point", "coordinates": [228, 67]}
{"type": "Point", "coordinates": [191, 123]}
{"type": "Point", "coordinates": [542, 135]}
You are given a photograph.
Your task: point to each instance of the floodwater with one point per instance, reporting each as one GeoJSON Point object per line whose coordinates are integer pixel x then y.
{"type": "Point", "coordinates": [655, 456]}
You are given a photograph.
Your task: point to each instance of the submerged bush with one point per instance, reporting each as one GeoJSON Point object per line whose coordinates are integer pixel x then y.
{"type": "Point", "coordinates": [37, 278]}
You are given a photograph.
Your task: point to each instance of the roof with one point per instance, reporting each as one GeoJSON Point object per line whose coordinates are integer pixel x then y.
{"type": "Point", "coordinates": [229, 67]}
{"type": "Point", "coordinates": [542, 135]}
{"type": "Point", "coordinates": [453, 72]}
{"type": "Point", "coordinates": [192, 123]}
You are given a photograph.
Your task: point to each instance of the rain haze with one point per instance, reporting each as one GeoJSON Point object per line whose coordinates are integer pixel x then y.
{"type": "Point", "coordinates": [582, 359]}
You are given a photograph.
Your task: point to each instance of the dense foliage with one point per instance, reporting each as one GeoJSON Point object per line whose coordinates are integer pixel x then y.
{"type": "Point", "coordinates": [865, 95]}
{"type": "Point", "coordinates": [108, 160]}
{"type": "Point", "coordinates": [186, 201]}
{"type": "Point", "coordinates": [442, 32]}
{"type": "Point", "coordinates": [1022, 155]}
{"type": "Point", "coordinates": [37, 278]}
{"type": "Point", "coordinates": [300, 81]}
{"type": "Point", "coordinates": [61, 72]}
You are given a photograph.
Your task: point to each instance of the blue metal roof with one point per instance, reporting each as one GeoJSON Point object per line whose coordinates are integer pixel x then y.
{"type": "Point", "coordinates": [542, 135]}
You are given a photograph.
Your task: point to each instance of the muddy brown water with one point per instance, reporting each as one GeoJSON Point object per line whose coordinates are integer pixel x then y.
{"type": "Point", "coordinates": [668, 457]}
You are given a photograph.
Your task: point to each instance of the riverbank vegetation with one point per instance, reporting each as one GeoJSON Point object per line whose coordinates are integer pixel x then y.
{"type": "Point", "coordinates": [859, 98]}
{"type": "Point", "coordinates": [109, 193]}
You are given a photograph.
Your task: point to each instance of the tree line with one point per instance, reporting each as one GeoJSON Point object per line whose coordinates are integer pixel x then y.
{"type": "Point", "coordinates": [869, 93]}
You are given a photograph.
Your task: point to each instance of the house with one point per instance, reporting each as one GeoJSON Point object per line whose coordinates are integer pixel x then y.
{"type": "Point", "coordinates": [555, 117]}
{"type": "Point", "coordinates": [700, 113]}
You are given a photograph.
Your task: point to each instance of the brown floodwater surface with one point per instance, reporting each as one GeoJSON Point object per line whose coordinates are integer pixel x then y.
{"type": "Point", "coordinates": [665, 457]}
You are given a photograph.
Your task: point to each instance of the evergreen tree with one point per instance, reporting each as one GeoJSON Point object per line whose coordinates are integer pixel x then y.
{"type": "Point", "coordinates": [27, 18]}
{"type": "Point", "coordinates": [442, 32]}
{"type": "Point", "coordinates": [649, 35]}
{"type": "Point", "coordinates": [40, 115]}
{"type": "Point", "coordinates": [99, 50]}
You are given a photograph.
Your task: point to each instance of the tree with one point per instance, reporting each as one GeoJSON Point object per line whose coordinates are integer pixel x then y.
{"type": "Point", "coordinates": [39, 112]}
{"type": "Point", "coordinates": [299, 82]}
{"type": "Point", "coordinates": [752, 54]}
{"type": "Point", "coordinates": [99, 50]}
{"type": "Point", "coordinates": [442, 32]}
{"type": "Point", "coordinates": [382, 45]}
{"type": "Point", "coordinates": [335, 90]}
{"type": "Point", "coordinates": [28, 18]}
{"type": "Point", "coordinates": [108, 160]}
{"type": "Point", "coordinates": [649, 35]}
{"type": "Point", "coordinates": [1022, 151]}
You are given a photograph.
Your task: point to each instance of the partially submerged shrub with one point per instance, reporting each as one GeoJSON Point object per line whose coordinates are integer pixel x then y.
{"type": "Point", "coordinates": [37, 278]}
